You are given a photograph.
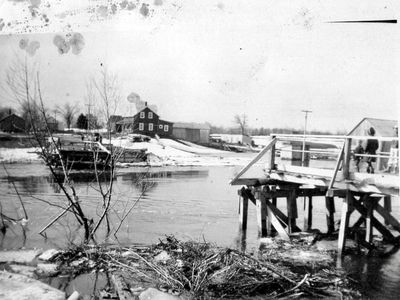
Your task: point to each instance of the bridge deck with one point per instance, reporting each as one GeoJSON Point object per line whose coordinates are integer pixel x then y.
{"type": "Point", "coordinates": [266, 180]}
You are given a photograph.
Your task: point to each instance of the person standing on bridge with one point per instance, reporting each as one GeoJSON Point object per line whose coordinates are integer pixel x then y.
{"type": "Point", "coordinates": [357, 151]}
{"type": "Point", "coordinates": [393, 162]}
{"type": "Point", "coordinates": [372, 146]}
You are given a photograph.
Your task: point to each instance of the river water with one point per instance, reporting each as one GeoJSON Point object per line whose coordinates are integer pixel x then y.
{"type": "Point", "coordinates": [189, 202]}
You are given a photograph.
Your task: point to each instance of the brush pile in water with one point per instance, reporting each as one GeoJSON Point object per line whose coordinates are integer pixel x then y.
{"type": "Point", "coordinates": [202, 271]}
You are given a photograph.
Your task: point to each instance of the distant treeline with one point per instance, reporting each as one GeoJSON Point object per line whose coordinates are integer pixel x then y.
{"type": "Point", "coordinates": [268, 131]}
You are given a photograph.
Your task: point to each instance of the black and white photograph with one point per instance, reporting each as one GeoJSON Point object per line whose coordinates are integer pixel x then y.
{"type": "Point", "coordinates": [214, 149]}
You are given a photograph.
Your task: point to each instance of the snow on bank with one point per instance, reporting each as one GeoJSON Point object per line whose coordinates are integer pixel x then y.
{"type": "Point", "coordinates": [189, 147]}
{"type": "Point", "coordinates": [167, 152]}
{"type": "Point", "coordinates": [160, 153]}
{"type": "Point", "coordinates": [19, 155]}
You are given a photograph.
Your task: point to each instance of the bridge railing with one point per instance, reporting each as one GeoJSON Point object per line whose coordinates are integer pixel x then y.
{"type": "Point", "coordinates": [309, 153]}
{"type": "Point", "coordinates": [328, 148]}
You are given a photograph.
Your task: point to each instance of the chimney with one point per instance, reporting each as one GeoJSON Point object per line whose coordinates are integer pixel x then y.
{"type": "Point", "coordinates": [9, 111]}
{"type": "Point", "coordinates": [145, 104]}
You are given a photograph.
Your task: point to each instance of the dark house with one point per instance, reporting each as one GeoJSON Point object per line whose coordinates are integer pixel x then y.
{"type": "Point", "coordinates": [12, 123]}
{"type": "Point", "coordinates": [145, 122]}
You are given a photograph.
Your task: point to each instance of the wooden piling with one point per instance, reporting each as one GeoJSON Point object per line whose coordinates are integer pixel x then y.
{"type": "Point", "coordinates": [270, 228]}
{"type": "Point", "coordinates": [261, 208]}
{"type": "Point", "coordinates": [307, 213]}
{"type": "Point", "coordinates": [344, 222]}
{"type": "Point", "coordinates": [387, 205]}
{"type": "Point", "coordinates": [368, 202]}
{"type": "Point", "coordinates": [292, 210]}
{"type": "Point", "coordinates": [243, 208]}
{"type": "Point", "coordinates": [330, 211]}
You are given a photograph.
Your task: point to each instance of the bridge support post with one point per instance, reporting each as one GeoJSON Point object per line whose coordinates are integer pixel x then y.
{"type": "Point", "coordinates": [387, 205]}
{"type": "Point", "coordinates": [347, 209]}
{"type": "Point", "coordinates": [330, 211]}
{"type": "Point", "coordinates": [307, 213]}
{"type": "Point", "coordinates": [369, 204]}
{"type": "Point", "coordinates": [243, 208]}
{"type": "Point", "coordinates": [261, 208]}
{"type": "Point", "coordinates": [292, 211]}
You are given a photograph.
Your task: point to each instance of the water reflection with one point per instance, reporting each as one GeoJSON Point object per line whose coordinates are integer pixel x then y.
{"type": "Point", "coordinates": [379, 278]}
{"type": "Point", "coordinates": [82, 177]}
{"type": "Point", "coordinates": [29, 184]}
{"type": "Point", "coordinates": [196, 203]}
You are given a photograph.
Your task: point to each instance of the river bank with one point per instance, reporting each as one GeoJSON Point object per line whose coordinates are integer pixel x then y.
{"type": "Point", "coordinates": [162, 152]}
{"type": "Point", "coordinates": [173, 269]}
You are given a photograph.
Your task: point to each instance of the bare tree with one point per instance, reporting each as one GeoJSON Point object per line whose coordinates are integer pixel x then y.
{"type": "Point", "coordinates": [20, 86]}
{"type": "Point", "coordinates": [241, 120]}
{"type": "Point", "coordinates": [24, 85]}
{"type": "Point", "coordinates": [68, 112]}
{"type": "Point", "coordinates": [105, 88]}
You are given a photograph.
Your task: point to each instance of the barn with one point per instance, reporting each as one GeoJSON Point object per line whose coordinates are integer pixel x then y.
{"type": "Point", "coordinates": [192, 132]}
{"type": "Point", "coordinates": [383, 128]}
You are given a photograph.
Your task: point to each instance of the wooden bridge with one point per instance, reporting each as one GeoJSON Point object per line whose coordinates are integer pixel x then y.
{"type": "Point", "coordinates": [269, 177]}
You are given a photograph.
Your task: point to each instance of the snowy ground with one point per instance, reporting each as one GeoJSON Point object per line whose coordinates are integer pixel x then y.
{"type": "Point", "coordinates": [19, 155]}
{"type": "Point", "coordinates": [166, 152]}
{"type": "Point", "coordinates": [163, 152]}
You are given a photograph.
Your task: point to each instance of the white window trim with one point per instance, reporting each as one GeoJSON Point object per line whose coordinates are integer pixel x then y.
{"type": "Point", "coordinates": [150, 115]}
{"type": "Point", "coordinates": [141, 126]}
{"type": "Point", "coordinates": [160, 126]}
{"type": "Point", "coordinates": [150, 126]}
{"type": "Point", "coordinates": [166, 128]}
{"type": "Point", "coordinates": [142, 114]}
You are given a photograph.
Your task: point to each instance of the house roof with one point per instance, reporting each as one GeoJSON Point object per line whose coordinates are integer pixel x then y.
{"type": "Point", "coordinates": [192, 125]}
{"type": "Point", "coordinates": [9, 116]}
{"type": "Point", "coordinates": [126, 120]}
{"type": "Point", "coordinates": [115, 118]}
{"type": "Point", "coordinates": [382, 127]}
{"type": "Point", "coordinates": [147, 108]}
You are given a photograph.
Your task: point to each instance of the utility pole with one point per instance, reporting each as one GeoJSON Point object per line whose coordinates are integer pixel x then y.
{"type": "Point", "coordinates": [306, 112]}
{"type": "Point", "coordinates": [88, 117]}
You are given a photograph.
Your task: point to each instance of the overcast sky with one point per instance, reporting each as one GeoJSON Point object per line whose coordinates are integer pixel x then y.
{"type": "Point", "coordinates": [209, 60]}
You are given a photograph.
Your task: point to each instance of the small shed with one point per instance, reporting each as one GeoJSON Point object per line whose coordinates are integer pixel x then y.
{"type": "Point", "coordinates": [12, 123]}
{"type": "Point", "coordinates": [383, 128]}
{"type": "Point", "coordinates": [192, 132]}
{"type": "Point", "coordinates": [112, 122]}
